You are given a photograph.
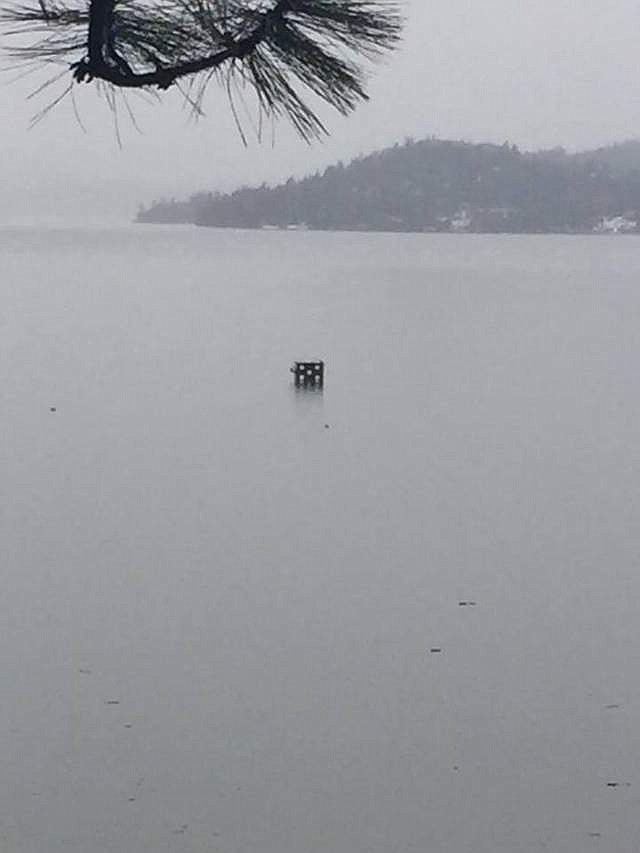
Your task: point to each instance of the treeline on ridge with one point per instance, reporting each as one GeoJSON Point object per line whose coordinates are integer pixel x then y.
{"type": "Point", "coordinates": [436, 185]}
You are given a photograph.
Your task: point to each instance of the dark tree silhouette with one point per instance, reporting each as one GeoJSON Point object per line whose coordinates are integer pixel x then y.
{"type": "Point", "coordinates": [274, 47]}
{"type": "Point", "coordinates": [437, 185]}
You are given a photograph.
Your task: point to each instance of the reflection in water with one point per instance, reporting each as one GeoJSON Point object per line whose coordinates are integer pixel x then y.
{"type": "Point", "coordinates": [307, 402]}
{"type": "Point", "coordinates": [307, 392]}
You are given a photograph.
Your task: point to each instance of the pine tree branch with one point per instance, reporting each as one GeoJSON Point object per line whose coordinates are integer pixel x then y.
{"type": "Point", "coordinates": [104, 63]}
{"type": "Point", "coordinates": [155, 43]}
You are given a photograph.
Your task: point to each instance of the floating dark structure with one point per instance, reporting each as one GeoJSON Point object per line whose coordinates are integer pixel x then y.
{"type": "Point", "coordinates": [308, 373]}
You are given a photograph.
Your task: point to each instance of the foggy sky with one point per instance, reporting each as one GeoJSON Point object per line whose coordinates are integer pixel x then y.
{"type": "Point", "coordinates": [536, 74]}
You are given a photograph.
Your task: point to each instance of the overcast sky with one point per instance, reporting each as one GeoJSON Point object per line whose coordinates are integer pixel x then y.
{"type": "Point", "coordinates": [554, 72]}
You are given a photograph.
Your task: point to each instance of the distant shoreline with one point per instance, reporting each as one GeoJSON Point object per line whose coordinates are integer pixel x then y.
{"type": "Point", "coordinates": [425, 232]}
{"type": "Point", "coordinates": [436, 186]}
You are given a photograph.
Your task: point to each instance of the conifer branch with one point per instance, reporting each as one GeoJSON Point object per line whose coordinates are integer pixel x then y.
{"type": "Point", "coordinates": [275, 47]}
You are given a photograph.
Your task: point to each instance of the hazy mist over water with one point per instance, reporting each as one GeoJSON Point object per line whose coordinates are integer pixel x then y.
{"type": "Point", "coordinates": [218, 613]}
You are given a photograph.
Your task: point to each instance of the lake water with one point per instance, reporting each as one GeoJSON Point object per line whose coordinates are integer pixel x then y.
{"type": "Point", "coordinates": [218, 613]}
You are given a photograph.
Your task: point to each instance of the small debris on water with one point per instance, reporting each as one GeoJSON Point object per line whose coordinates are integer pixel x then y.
{"type": "Point", "coordinates": [435, 650]}
{"type": "Point", "coordinates": [112, 702]}
{"type": "Point", "coordinates": [595, 835]}
{"type": "Point", "coordinates": [466, 604]}
{"type": "Point", "coordinates": [85, 671]}
{"type": "Point", "coordinates": [326, 426]}
{"type": "Point", "coordinates": [52, 409]}
{"type": "Point", "coordinates": [611, 707]}
{"type": "Point", "coordinates": [613, 784]}
{"type": "Point", "coordinates": [132, 799]}
{"type": "Point", "coordinates": [128, 725]}
{"type": "Point", "coordinates": [455, 767]}
{"type": "Point", "coordinates": [182, 830]}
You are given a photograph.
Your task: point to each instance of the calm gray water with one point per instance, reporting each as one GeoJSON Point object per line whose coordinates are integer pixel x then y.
{"type": "Point", "coordinates": [260, 594]}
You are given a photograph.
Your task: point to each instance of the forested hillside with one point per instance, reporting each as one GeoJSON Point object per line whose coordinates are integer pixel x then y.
{"type": "Point", "coordinates": [437, 185]}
